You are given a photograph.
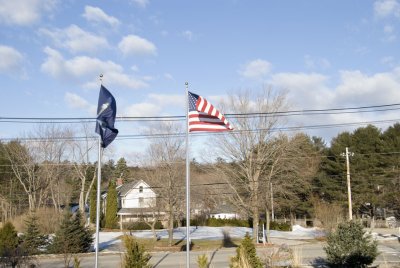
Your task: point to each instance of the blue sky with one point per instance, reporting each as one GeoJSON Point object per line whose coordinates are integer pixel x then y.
{"type": "Point", "coordinates": [325, 54]}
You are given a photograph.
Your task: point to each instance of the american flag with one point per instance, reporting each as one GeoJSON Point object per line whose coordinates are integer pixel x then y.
{"type": "Point", "coordinates": [203, 116]}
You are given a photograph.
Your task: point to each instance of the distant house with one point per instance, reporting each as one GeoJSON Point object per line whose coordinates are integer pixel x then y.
{"type": "Point", "coordinates": [136, 201]}
{"type": "Point", "coordinates": [224, 211]}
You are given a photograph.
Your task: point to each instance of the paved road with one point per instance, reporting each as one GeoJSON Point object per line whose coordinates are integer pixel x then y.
{"type": "Point", "coordinates": [219, 258]}
{"type": "Point", "coordinates": [310, 253]}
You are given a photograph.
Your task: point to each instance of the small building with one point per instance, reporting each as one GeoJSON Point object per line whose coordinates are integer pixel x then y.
{"type": "Point", "coordinates": [137, 201]}
{"type": "Point", "coordinates": [224, 211]}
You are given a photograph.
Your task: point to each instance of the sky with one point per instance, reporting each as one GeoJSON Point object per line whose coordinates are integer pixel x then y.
{"type": "Point", "coordinates": [324, 54]}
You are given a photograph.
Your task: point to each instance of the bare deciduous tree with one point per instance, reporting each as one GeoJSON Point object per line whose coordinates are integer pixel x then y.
{"type": "Point", "coordinates": [36, 162]}
{"type": "Point", "coordinates": [247, 150]}
{"type": "Point", "coordinates": [51, 152]}
{"type": "Point", "coordinates": [152, 215]}
{"type": "Point", "coordinates": [166, 171]}
{"type": "Point", "coordinates": [80, 152]}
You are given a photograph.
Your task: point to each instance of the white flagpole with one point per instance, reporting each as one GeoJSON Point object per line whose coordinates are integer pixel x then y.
{"type": "Point", "coordinates": [187, 181]}
{"type": "Point", "coordinates": [98, 196]}
{"type": "Point", "coordinates": [98, 203]}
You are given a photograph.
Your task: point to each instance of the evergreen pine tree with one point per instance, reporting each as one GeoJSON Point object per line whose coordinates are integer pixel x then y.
{"type": "Point", "coordinates": [349, 247]}
{"type": "Point", "coordinates": [111, 206]}
{"type": "Point", "coordinates": [121, 169]}
{"type": "Point", "coordinates": [8, 239]}
{"type": "Point", "coordinates": [136, 256]}
{"type": "Point", "coordinates": [72, 236]}
{"type": "Point", "coordinates": [33, 239]}
{"type": "Point", "coordinates": [81, 233]}
{"type": "Point", "coordinates": [93, 203]}
{"type": "Point", "coordinates": [12, 253]}
{"type": "Point", "coordinates": [246, 253]}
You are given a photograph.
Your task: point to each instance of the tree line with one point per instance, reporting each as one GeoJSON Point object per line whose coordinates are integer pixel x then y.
{"type": "Point", "coordinates": [258, 170]}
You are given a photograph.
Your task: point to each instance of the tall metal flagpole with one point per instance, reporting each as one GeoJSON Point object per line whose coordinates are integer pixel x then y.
{"type": "Point", "coordinates": [98, 196]}
{"type": "Point", "coordinates": [187, 181]}
{"type": "Point", "coordinates": [98, 203]}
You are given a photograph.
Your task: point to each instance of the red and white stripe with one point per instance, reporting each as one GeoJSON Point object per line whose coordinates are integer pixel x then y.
{"type": "Point", "coordinates": [207, 118]}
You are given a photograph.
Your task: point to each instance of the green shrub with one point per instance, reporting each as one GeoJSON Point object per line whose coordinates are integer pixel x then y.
{"type": "Point", "coordinates": [246, 255]}
{"type": "Point", "coordinates": [193, 222]}
{"type": "Point", "coordinates": [8, 239]}
{"type": "Point", "coordinates": [12, 253]}
{"type": "Point", "coordinates": [199, 220]}
{"type": "Point", "coordinates": [280, 226]}
{"type": "Point", "coordinates": [213, 222]}
{"type": "Point", "coordinates": [136, 256]}
{"type": "Point", "coordinates": [141, 225]}
{"type": "Point", "coordinates": [350, 246]}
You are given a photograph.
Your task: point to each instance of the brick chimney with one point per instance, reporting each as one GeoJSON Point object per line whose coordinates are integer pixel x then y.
{"type": "Point", "coordinates": [120, 182]}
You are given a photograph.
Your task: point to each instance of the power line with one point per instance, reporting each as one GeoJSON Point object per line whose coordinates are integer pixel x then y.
{"type": "Point", "coordinates": [181, 134]}
{"type": "Point", "coordinates": [345, 110]}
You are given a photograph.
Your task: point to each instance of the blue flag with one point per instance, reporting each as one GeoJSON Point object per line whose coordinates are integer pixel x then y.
{"type": "Point", "coordinates": [106, 111]}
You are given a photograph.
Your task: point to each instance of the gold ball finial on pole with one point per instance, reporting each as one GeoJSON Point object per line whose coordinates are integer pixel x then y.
{"type": "Point", "coordinates": [101, 78]}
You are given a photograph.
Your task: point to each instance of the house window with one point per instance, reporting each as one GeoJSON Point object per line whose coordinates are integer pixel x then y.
{"type": "Point", "coordinates": [141, 189]}
{"type": "Point", "coordinates": [141, 201]}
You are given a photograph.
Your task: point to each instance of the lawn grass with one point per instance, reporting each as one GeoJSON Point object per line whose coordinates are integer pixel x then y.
{"type": "Point", "coordinates": [180, 245]}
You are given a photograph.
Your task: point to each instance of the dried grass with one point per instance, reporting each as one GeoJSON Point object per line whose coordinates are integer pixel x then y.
{"type": "Point", "coordinates": [48, 220]}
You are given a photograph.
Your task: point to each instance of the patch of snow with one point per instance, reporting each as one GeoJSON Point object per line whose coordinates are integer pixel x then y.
{"type": "Point", "coordinates": [215, 233]}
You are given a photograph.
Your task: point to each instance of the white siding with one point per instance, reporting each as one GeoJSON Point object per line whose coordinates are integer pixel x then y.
{"type": "Point", "coordinates": [131, 199]}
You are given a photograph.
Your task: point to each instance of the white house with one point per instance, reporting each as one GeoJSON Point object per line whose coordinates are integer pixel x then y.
{"type": "Point", "coordinates": [136, 201]}
{"type": "Point", "coordinates": [224, 211]}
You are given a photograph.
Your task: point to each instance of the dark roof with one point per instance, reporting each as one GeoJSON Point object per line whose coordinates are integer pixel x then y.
{"type": "Point", "coordinates": [126, 187]}
{"type": "Point", "coordinates": [224, 208]}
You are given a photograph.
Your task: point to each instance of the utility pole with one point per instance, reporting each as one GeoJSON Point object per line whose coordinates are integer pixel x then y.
{"type": "Point", "coordinates": [348, 182]}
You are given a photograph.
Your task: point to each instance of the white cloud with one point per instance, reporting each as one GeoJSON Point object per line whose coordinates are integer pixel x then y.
{"type": "Point", "coordinates": [24, 12]}
{"type": "Point", "coordinates": [77, 102]}
{"type": "Point", "coordinates": [188, 35]}
{"type": "Point", "coordinates": [97, 15]}
{"type": "Point", "coordinates": [362, 50]}
{"type": "Point", "coordinates": [379, 88]}
{"type": "Point", "coordinates": [386, 8]}
{"type": "Point", "coordinates": [169, 76]}
{"type": "Point", "coordinates": [389, 33]}
{"type": "Point", "coordinates": [316, 63]}
{"type": "Point", "coordinates": [155, 105]}
{"type": "Point", "coordinates": [86, 69]}
{"type": "Point", "coordinates": [167, 100]}
{"type": "Point", "coordinates": [11, 60]}
{"type": "Point", "coordinates": [307, 88]}
{"type": "Point", "coordinates": [143, 109]}
{"type": "Point", "coordinates": [388, 60]}
{"type": "Point", "coordinates": [148, 78]}
{"type": "Point", "coordinates": [256, 69]}
{"type": "Point", "coordinates": [75, 39]}
{"type": "Point", "coordinates": [353, 89]}
{"type": "Point", "coordinates": [141, 3]}
{"type": "Point", "coordinates": [136, 45]}
{"type": "Point", "coordinates": [388, 29]}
